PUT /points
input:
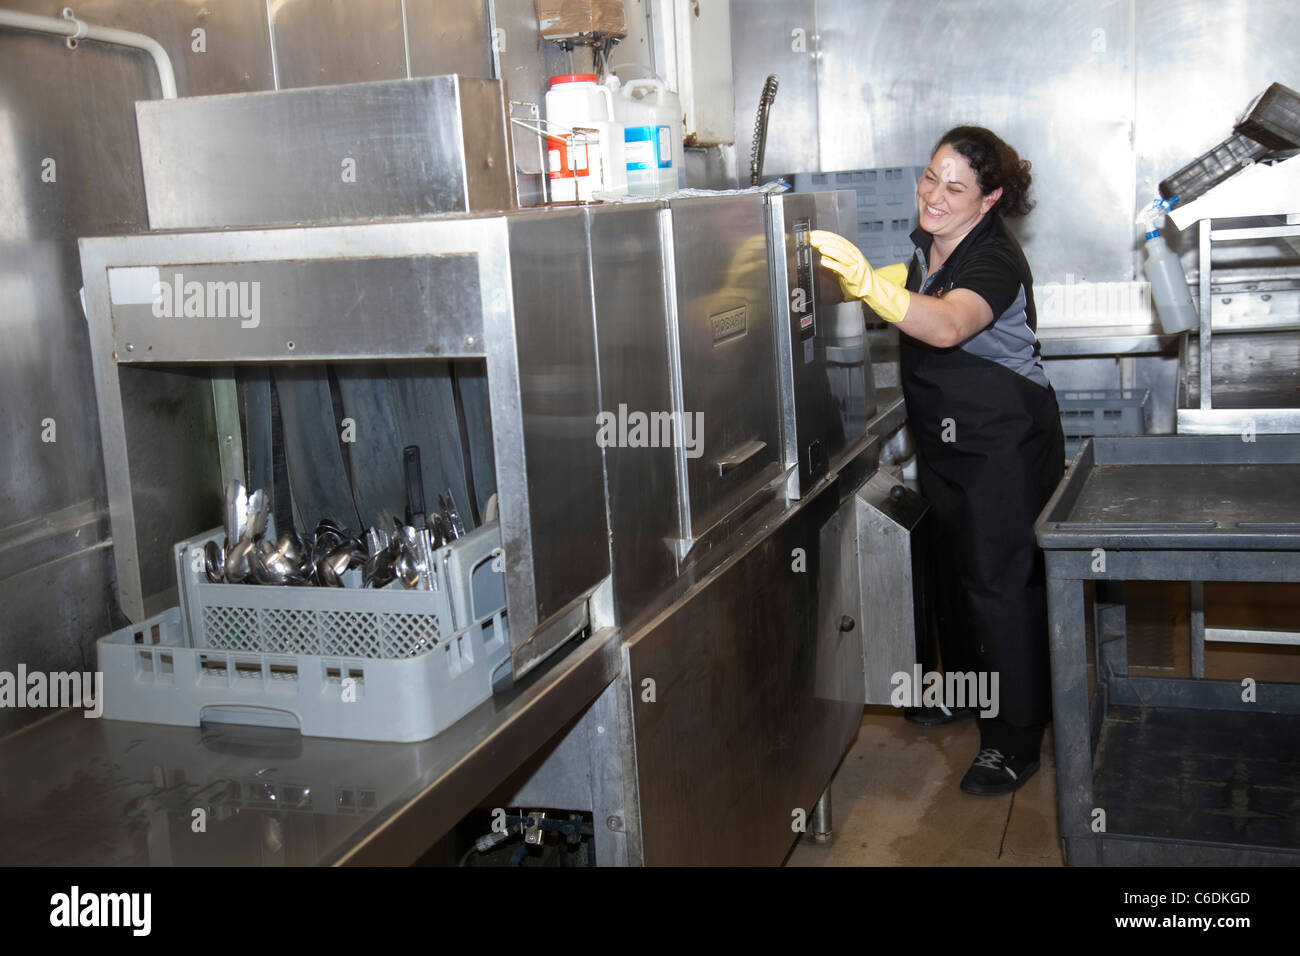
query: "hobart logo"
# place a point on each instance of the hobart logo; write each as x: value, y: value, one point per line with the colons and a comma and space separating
x: 102, y: 909
x: 208, y: 300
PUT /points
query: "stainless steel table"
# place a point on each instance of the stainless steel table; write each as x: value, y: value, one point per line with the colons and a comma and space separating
x: 85, y: 792
x: 1171, y: 771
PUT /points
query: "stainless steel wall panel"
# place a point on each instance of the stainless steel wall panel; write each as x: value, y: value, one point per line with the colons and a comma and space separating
x: 52, y: 445
x: 71, y: 164
x: 1105, y: 98
x: 1053, y: 79
x: 632, y: 338
x: 233, y: 53
x: 322, y: 42
x: 526, y: 62
x: 776, y: 36
x: 172, y: 444
x: 449, y: 36
x: 328, y: 154
x: 53, y: 614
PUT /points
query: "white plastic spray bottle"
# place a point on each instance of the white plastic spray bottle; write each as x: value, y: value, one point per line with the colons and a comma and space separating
x: 1169, y: 291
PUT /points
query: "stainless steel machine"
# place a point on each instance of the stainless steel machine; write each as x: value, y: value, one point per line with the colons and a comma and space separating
x: 746, y: 649
x: 680, y: 491
x: 395, y: 292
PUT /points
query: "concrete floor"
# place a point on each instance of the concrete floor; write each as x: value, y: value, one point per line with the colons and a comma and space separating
x: 895, y: 802
x: 895, y: 798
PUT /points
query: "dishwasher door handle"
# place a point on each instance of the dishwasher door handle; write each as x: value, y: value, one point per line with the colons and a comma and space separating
x: 738, y: 456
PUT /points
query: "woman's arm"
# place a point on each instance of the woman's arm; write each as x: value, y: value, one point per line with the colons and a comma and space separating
x: 948, y: 321
x: 941, y: 322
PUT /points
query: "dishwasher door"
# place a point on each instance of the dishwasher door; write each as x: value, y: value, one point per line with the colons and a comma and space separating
x: 724, y: 349
x: 806, y: 301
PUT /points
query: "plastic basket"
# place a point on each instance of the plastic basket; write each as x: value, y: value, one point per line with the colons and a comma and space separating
x: 1105, y: 412
x: 888, y: 182
x: 1273, y: 119
x: 885, y: 241
x: 1212, y: 167
x: 886, y: 200
x: 385, y: 665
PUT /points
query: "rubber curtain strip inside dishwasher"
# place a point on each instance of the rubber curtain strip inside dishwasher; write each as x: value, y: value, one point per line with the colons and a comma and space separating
x: 467, y: 455
x: 426, y: 416
x: 317, y: 475
x: 281, y: 493
x: 376, y: 453
x: 471, y: 380
x: 259, y: 455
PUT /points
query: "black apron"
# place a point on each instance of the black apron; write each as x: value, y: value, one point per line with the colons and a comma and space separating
x: 990, y: 452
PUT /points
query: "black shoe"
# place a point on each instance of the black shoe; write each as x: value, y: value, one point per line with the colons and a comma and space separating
x: 936, y: 716
x: 993, y: 773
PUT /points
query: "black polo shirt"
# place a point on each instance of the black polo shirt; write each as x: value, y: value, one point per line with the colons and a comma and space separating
x: 990, y: 263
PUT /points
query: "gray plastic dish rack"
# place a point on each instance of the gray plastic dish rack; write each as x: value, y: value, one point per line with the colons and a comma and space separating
x: 1103, y: 412
x: 386, y: 665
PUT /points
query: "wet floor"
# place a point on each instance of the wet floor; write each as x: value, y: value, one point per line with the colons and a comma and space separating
x: 895, y: 798
x: 896, y: 802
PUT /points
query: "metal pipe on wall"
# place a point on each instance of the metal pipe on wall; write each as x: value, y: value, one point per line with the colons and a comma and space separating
x: 75, y: 29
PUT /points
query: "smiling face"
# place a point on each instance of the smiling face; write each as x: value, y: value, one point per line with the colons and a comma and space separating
x: 948, y: 199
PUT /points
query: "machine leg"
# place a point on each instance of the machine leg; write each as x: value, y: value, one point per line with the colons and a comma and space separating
x: 1198, y: 629
x: 821, y: 816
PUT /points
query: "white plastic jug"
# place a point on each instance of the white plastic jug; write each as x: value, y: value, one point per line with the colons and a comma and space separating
x: 651, y: 115
x: 585, y: 153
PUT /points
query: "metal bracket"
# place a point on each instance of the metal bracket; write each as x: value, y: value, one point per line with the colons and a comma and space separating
x: 83, y: 29
x: 533, y: 833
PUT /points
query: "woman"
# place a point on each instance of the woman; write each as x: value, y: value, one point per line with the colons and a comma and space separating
x: 989, y: 445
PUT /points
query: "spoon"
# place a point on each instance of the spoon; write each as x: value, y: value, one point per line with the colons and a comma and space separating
x: 378, y: 571
x: 407, y: 569
x: 237, y: 561
x: 330, y: 569
x: 214, y: 562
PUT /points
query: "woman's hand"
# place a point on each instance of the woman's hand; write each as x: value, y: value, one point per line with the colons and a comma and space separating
x: 881, y: 289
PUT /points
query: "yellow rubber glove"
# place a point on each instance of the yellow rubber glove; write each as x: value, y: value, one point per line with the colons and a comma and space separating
x: 880, y: 288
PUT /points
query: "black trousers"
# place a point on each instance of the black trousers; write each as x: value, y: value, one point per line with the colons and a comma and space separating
x: 987, y: 585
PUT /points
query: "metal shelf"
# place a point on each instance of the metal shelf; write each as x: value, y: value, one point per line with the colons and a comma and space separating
x: 1206, y: 419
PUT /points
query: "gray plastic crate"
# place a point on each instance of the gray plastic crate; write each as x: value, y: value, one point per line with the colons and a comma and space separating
x: 885, y: 183
x: 884, y: 241
x: 886, y: 206
x: 1102, y: 412
x: 386, y: 665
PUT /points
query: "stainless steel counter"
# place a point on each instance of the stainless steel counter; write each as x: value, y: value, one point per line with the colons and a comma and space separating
x: 82, y: 792
x: 1064, y: 343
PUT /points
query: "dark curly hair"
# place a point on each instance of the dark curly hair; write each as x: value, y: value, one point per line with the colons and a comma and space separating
x: 995, y: 164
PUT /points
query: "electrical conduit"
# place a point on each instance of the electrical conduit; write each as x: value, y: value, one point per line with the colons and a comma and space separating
x: 75, y: 29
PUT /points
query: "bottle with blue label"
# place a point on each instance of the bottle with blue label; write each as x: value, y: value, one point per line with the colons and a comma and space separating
x: 652, y: 119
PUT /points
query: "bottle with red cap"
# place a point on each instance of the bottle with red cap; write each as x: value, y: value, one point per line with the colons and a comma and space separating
x: 585, y: 150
